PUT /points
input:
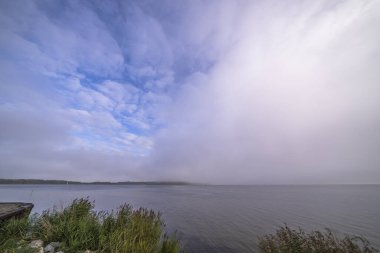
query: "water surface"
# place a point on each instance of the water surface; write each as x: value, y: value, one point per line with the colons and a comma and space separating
x: 227, y: 218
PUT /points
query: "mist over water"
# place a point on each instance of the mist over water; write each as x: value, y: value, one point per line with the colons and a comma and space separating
x: 227, y: 218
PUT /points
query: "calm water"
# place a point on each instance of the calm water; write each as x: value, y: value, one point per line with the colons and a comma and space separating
x: 227, y: 218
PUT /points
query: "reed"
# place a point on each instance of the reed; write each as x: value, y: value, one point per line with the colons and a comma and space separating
x: 287, y: 240
x: 79, y: 227
x: 126, y: 230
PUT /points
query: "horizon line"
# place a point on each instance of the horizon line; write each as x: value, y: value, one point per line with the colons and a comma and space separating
x: 173, y: 182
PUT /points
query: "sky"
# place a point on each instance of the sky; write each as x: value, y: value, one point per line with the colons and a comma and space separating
x: 208, y: 91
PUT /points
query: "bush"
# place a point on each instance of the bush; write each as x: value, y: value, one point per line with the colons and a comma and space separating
x: 78, y: 227
x: 11, y: 233
x: 287, y: 240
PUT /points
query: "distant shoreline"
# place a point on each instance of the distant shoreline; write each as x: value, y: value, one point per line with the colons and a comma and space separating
x: 65, y: 182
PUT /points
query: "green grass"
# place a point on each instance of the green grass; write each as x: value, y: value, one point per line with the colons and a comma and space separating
x: 79, y: 227
x: 13, y: 234
x: 287, y: 240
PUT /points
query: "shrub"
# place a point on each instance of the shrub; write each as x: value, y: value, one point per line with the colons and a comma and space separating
x: 11, y: 232
x: 79, y: 227
x: 288, y: 240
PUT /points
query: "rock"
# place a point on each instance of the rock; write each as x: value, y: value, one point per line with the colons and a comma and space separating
x: 55, y: 244
x: 36, y: 244
x: 89, y: 251
x: 59, y: 252
x: 49, y: 249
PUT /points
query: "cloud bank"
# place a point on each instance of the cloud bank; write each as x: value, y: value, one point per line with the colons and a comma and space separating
x: 236, y: 92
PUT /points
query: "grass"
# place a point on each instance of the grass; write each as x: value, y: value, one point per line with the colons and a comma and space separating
x: 78, y: 227
x: 13, y: 234
x: 287, y: 240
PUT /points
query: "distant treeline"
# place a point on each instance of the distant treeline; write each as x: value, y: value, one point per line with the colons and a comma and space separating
x: 42, y: 181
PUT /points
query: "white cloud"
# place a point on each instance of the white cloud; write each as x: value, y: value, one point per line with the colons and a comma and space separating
x: 120, y: 92
x: 285, y: 104
x: 216, y: 91
x: 59, y: 48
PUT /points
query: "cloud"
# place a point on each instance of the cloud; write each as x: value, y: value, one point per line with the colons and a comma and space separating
x: 295, y: 100
x: 60, y: 110
x: 209, y: 91
x: 55, y: 143
x: 36, y: 34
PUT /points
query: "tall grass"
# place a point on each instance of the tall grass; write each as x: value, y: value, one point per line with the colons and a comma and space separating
x: 11, y: 232
x: 79, y: 227
x: 298, y: 241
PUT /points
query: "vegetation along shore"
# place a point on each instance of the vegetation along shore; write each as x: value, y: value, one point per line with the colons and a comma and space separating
x: 79, y: 228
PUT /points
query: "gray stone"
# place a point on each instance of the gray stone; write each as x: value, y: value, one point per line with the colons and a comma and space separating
x: 49, y: 249
x: 59, y: 252
x: 36, y: 244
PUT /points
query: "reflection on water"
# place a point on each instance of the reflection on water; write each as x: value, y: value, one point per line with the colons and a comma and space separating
x: 227, y: 218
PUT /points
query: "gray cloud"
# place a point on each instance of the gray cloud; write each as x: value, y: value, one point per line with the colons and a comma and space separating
x: 218, y: 91
x: 296, y: 100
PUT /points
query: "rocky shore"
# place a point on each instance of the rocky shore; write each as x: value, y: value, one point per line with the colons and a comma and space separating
x: 38, y: 246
